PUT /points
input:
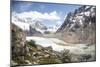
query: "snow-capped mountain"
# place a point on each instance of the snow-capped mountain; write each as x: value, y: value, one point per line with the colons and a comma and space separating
x: 81, y: 17
x: 80, y: 24
x: 32, y: 27
x: 53, y: 28
x: 36, y: 28
x: 38, y: 25
x: 28, y: 25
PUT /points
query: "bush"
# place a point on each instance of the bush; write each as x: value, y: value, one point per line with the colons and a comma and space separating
x: 32, y: 43
x: 66, y: 56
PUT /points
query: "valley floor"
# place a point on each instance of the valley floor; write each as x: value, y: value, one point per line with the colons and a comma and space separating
x: 59, y: 45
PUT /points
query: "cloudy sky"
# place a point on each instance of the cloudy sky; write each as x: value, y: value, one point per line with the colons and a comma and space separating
x: 49, y: 14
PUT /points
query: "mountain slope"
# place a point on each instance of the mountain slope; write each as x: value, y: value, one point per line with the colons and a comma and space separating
x: 79, y: 26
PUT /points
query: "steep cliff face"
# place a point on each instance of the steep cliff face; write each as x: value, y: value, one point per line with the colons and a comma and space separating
x: 79, y: 26
x: 18, y: 47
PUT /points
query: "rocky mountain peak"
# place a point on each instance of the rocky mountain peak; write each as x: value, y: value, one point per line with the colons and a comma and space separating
x: 82, y: 20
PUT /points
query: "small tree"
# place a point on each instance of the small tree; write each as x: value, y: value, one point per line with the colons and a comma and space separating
x: 32, y: 43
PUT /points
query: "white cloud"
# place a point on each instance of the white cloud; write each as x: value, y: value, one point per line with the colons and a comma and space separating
x: 23, y: 26
x: 21, y: 19
x: 34, y: 15
x: 59, y: 22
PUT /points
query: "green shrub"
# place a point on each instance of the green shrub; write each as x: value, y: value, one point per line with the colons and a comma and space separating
x: 32, y: 43
x: 66, y: 56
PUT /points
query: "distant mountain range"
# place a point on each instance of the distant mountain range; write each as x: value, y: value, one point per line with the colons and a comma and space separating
x: 32, y: 27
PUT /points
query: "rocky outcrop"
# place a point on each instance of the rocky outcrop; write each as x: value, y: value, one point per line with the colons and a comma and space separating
x: 79, y: 26
x: 32, y: 31
x: 18, y: 46
x: 41, y: 55
x: 36, y: 28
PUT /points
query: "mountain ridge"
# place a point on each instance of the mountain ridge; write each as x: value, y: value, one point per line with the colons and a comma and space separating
x: 79, y: 25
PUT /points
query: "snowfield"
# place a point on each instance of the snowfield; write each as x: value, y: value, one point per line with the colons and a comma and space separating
x: 56, y: 44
